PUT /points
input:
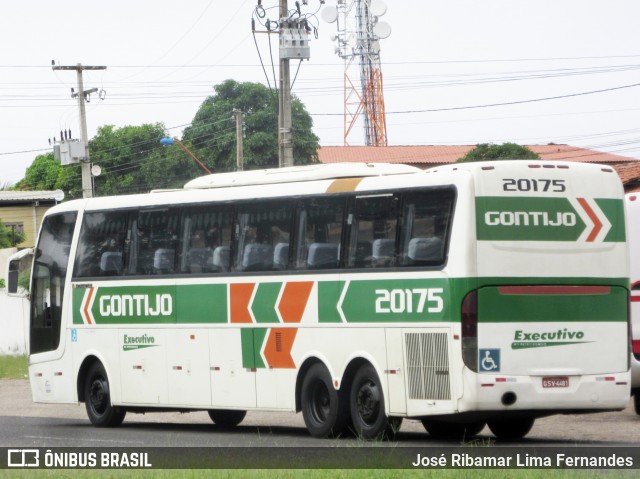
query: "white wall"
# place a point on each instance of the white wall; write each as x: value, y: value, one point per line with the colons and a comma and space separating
x: 14, y: 323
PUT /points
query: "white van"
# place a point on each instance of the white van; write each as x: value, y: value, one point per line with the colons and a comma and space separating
x: 632, y: 207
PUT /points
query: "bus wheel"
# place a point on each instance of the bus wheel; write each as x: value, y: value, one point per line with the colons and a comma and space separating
x: 452, y: 430
x: 636, y: 402
x: 324, y: 410
x: 367, y: 406
x: 226, y: 417
x: 511, y: 428
x: 97, y: 399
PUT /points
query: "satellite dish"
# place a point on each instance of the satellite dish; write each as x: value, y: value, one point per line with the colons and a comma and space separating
x: 329, y: 14
x: 96, y: 170
x: 382, y: 30
x: 58, y: 195
x: 377, y: 8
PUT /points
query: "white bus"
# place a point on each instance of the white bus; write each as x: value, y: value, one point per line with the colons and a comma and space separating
x: 632, y: 207
x: 358, y: 294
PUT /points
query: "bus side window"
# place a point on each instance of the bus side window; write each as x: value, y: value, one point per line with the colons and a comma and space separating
x: 319, y: 231
x: 425, y: 229
x: 262, y: 237
x: 102, y: 245
x: 372, y: 235
x: 205, y: 240
x: 157, y: 239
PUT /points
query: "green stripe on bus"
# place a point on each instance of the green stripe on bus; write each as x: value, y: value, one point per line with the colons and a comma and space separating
x: 545, y: 219
x: 264, y: 302
x: 496, y: 307
x: 201, y: 303
x: 614, y: 211
x: 328, y: 297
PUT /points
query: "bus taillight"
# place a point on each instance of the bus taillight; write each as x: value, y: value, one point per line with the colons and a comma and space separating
x: 469, y: 319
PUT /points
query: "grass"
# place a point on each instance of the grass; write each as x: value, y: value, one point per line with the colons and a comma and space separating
x: 13, y: 367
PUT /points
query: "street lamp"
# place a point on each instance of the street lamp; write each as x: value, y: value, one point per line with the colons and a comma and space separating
x: 174, y: 141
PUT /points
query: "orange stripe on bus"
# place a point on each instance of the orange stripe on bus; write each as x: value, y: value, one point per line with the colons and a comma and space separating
x: 294, y: 300
x: 240, y: 299
x: 277, y: 351
x: 86, y: 306
x: 597, y: 225
x: 344, y: 185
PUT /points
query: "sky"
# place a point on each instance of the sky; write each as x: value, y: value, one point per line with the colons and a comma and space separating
x: 456, y: 72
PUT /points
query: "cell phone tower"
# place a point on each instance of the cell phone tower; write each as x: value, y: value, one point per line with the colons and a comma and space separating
x: 359, y: 31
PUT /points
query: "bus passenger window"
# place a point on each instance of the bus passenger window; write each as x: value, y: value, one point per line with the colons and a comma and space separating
x: 205, y: 240
x: 262, y: 237
x: 156, y: 240
x: 427, y: 217
x: 319, y: 231
x: 372, y: 235
x: 102, y: 244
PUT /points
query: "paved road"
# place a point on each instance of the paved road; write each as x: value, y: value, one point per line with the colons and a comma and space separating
x: 23, y: 423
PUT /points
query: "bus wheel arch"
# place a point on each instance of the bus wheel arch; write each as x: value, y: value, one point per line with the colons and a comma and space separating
x: 82, y: 375
x: 97, y: 396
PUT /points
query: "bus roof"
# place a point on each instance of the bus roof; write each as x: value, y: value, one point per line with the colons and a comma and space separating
x: 298, y: 173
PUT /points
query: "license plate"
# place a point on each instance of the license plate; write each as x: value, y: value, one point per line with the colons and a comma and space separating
x: 555, y: 382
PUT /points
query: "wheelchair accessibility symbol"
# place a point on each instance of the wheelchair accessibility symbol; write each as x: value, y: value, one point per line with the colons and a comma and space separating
x: 490, y: 360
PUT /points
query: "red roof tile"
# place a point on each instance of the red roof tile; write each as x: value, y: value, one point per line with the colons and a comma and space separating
x: 430, y: 155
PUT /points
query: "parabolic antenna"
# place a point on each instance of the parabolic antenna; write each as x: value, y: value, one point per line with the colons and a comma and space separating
x: 377, y: 8
x: 329, y: 14
x: 382, y: 30
x: 96, y: 170
x: 58, y: 195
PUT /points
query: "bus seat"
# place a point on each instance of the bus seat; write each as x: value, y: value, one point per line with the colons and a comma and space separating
x: 111, y: 263
x: 425, y: 250
x: 323, y: 255
x: 163, y: 260
x: 281, y: 256
x: 199, y: 259
x: 221, y: 257
x: 362, y: 257
x: 257, y: 257
x: 383, y: 251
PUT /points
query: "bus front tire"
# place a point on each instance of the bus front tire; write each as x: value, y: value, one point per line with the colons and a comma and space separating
x: 511, y: 428
x: 367, y: 407
x: 97, y: 398
x: 325, y: 410
x: 226, y: 417
x: 452, y: 430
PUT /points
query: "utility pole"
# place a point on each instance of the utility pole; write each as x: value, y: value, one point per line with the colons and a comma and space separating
x: 293, y: 28
x: 285, y: 145
x: 82, y: 94
x: 238, y: 116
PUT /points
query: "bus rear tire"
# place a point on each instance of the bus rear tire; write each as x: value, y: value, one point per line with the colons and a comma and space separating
x: 367, y: 407
x: 636, y: 402
x: 97, y: 399
x: 511, y: 428
x: 325, y: 410
x: 452, y: 430
x: 226, y: 417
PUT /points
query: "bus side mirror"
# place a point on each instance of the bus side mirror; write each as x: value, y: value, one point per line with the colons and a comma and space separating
x: 19, y: 273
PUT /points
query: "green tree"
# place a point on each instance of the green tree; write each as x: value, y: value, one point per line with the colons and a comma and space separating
x: 9, y: 237
x: 506, y: 151
x: 133, y: 160
x: 46, y: 174
x: 212, y: 132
